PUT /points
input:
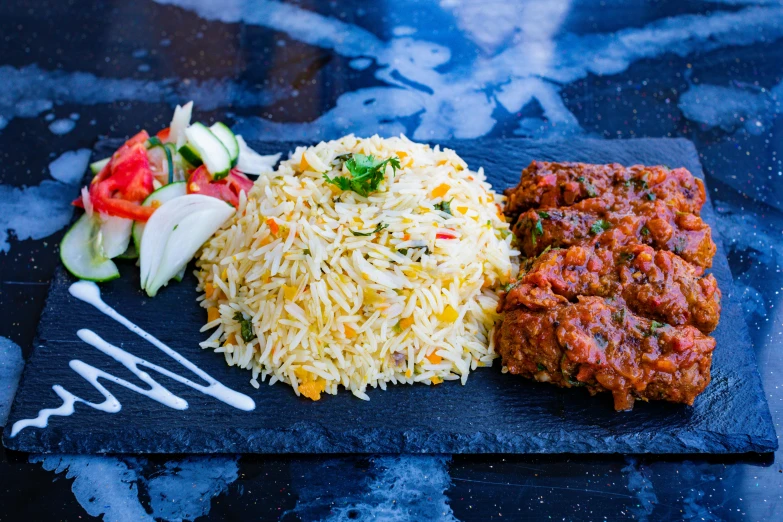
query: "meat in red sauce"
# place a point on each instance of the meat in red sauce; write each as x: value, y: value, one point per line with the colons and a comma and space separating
x: 612, y: 295
x: 601, y: 345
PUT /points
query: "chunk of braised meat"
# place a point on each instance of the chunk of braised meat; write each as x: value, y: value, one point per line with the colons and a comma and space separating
x: 653, y: 223
x: 549, y: 184
x: 653, y: 283
x: 599, y: 344
x: 607, y: 187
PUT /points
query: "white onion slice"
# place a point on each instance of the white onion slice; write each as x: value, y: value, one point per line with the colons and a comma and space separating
x: 251, y: 162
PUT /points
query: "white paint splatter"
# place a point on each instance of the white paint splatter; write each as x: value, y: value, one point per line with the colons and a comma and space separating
x: 692, y: 508
x: 746, y: 233
x: 398, y: 488
x: 459, y: 99
x: 509, y: 23
x: 403, y: 30
x: 744, y: 2
x: 70, y: 166
x: 30, y: 91
x: 183, y: 489
x: 730, y: 108
x: 360, y: 64
x: 63, y: 126
x: 442, y: 99
x: 753, y: 301
x: 110, y: 486
x: 39, y: 211
x: 642, y: 488
x: 30, y: 108
x: 11, y: 365
x: 34, y: 212
x: 750, y: 238
x: 364, y: 112
x: 102, y: 485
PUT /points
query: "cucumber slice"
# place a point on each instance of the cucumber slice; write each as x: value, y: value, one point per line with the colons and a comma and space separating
x: 115, y: 235
x: 81, y: 253
x: 96, y: 167
x: 211, y: 150
x: 130, y: 253
x: 179, y: 163
x: 162, y: 195
x: 190, y: 155
x: 228, y: 140
x: 154, y: 142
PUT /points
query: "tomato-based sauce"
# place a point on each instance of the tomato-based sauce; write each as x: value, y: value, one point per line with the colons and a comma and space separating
x: 612, y: 295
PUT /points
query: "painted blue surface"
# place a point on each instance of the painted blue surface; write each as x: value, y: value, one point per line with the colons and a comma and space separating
x: 706, y: 70
x: 111, y: 487
x: 11, y: 365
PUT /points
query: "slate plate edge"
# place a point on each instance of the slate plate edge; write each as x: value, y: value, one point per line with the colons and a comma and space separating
x: 400, y: 441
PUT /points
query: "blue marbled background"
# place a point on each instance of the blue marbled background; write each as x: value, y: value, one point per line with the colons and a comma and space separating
x: 707, y: 70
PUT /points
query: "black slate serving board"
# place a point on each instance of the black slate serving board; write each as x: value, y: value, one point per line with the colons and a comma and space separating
x: 493, y: 413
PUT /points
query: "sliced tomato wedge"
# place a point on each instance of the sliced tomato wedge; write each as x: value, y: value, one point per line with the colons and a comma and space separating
x: 227, y: 189
x: 445, y: 235
x: 163, y: 134
x: 125, y: 182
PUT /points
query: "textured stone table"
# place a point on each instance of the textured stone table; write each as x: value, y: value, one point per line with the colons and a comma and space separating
x: 709, y: 71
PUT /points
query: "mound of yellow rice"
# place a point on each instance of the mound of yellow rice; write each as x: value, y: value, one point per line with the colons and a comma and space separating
x: 412, y: 301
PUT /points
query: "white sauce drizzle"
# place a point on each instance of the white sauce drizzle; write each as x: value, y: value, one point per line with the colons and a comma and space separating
x: 91, y: 294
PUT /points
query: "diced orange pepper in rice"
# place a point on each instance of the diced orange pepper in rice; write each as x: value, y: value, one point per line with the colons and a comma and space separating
x: 212, y: 314
x: 231, y: 339
x: 434, y: 358
x: 303, y: 165
x: 449, y: 314
x: 302, y: 374
x: 209, y: 290
x: 350, y: 333
x: 436, y: 380
x: 272, y: 224
x: 408, y: 373
x: 312, y: 390
x: 406, y: 323
x: 440, y: 190
x: 462, y: 210
x: 155, y: 203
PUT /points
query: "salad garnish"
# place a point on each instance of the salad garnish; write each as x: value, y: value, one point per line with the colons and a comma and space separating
x: 146, y: 174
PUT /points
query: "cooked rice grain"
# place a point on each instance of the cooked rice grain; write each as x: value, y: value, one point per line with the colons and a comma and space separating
x: 330, y: 308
